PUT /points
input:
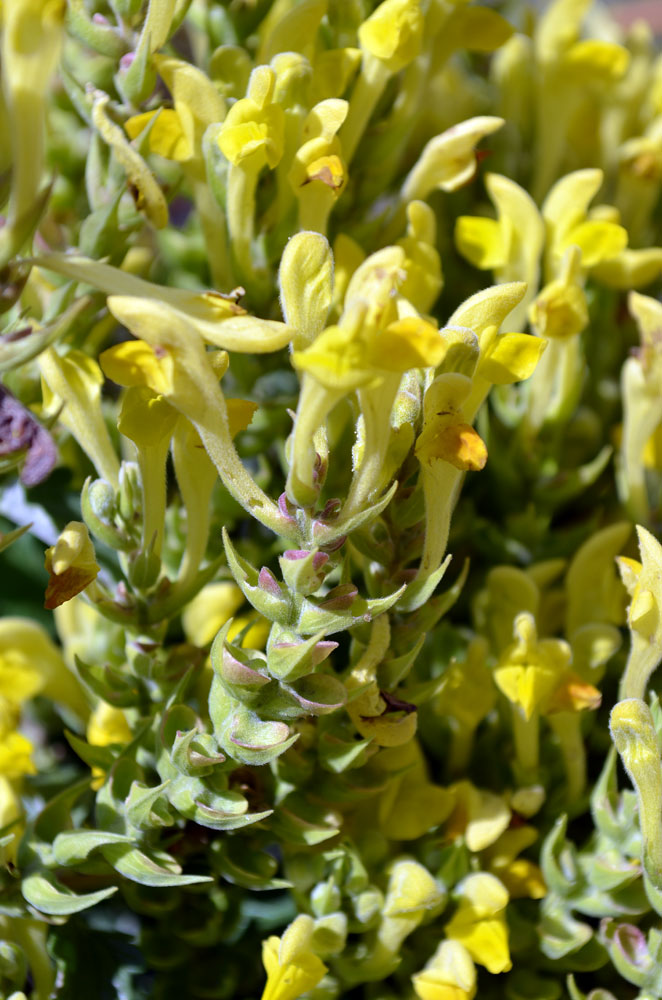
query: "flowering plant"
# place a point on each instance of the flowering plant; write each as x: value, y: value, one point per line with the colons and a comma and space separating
x: 332, y: 580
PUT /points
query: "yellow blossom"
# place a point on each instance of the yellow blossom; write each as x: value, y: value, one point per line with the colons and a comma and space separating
x: 209, y: 610
x: 449, y: 975
x: 166, y: 135
x: 565, y: 211
x: 15, y: 755
x: 30, y: 664
x: 521, y: 877
x: 107, y: 725
x: 511, y: 245
x: 478, y: 815
x: 411, y: 804
x: 292, y: 967
x: 449, y: 160
x: 560, y: 311
x: 479, y: 922
x: 71, y: 565
x: 318, y: 174
x: 393, y: 33
x: 529, y: 671
x: 252, y: 133
x: 71, y: 384
x: 643, y: 581
x: 446, y: 436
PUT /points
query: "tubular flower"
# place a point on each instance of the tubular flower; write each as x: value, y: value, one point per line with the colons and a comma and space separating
x: 511, y: 245
x: 521, y: 877
x: 252, y: 132
x: 479, y: 922
x: 643, y: 581
x: 32, y: 33
x: 176, y: 133
x: 529, y: 671
x: 449, y: 975
x: 30, y: 664
x: 318, y: 175
x: 71, y: 565
x: 291, y: 965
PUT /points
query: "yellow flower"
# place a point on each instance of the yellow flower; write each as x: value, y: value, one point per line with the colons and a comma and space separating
x: 424, y: 279
x: 393, y: 33
x: 511, y: 245
x: 31, y: 664
x: 449, y: 160
x: 634, y: 735
x: 318, y: 175
x: 565, y: 211
x: 209, y: 610
x: 145, y: 418
x: 176, y: 133
x: 71, y: 565
x: 479, y: 922
x: 292, y: 967
x: 32, y: 33
x: 449, y: 975
x: 643, y: 581
x: 166, y: 135
x: 107, y: 725
x: 522, y: 878
x: 560, y: 310
x: 411, y: 805
x: 478, y: 815
x: 446, y: 435
x: 75, y: 380
x: 15, y: 755
x: 529, y: 671
x: 253, y: 132
x: 216, y: 318
x: 378, y: 333
x: 307, y: 283
x: 594, y: 592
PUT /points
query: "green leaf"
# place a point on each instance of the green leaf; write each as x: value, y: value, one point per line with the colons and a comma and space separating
x: 137, y: 866
x: 46, y: 894
x: 11, y: 536
x: 74, y: 846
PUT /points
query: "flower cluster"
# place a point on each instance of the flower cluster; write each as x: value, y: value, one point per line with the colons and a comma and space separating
x: 332, y: 571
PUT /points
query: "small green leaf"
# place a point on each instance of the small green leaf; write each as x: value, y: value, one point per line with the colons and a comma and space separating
x: 137, y: 866
x: 74, y: 846
x: 46, y: 894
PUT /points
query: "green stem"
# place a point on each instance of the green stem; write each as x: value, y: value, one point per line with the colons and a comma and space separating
x: 368, y: 89
x: 242, y: 183
x: 461, y: 748
x: 642, y: 661
x: 541, y: 385
x: 215, y: 435
x: 196, y: 479
x: 527, y: 742
x: 213, y: 224
x: 152, y: 462
x: 568, y: 729
x: 314, y: 211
